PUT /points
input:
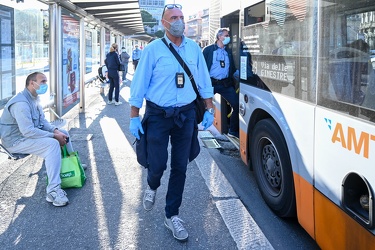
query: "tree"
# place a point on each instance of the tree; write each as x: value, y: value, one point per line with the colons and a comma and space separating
x: 159, y: 33
x: 148, y: 19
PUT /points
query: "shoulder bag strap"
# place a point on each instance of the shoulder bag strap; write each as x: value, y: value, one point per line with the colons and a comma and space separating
x: 181, y: 61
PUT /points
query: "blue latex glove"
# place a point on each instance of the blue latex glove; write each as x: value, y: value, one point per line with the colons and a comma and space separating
x: 135, y: 126
x: 208, y: 119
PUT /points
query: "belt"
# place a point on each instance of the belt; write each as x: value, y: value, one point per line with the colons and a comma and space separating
x: 217, y: 81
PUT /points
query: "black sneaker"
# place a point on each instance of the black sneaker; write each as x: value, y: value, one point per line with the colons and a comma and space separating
x: 175, y: 225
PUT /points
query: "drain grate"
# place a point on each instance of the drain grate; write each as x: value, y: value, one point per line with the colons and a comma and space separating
x: 208, y: 139
x: 205, y: 134
x: 211, y: 143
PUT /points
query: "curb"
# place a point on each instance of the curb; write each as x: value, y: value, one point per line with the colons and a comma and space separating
x: 241, y: 225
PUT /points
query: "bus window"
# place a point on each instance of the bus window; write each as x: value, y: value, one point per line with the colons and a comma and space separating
x: 281, y: 46
x: 347, y: 76
x: 255, y: 14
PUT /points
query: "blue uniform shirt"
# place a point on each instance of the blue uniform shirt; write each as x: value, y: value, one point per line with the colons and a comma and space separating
x: 136, y: 55
x: 216, y: 70
x: 155, y: 76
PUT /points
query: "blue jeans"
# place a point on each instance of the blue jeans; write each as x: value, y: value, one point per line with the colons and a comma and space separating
x: 125, y: 72
x: 159, y: 130
x: 230, y: 95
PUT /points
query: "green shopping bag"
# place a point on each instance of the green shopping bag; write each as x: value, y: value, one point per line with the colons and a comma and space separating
x: 72, y: 174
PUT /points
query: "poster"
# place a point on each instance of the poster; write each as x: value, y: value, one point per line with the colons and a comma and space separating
x: 6, y: 58
x: 6, y: 86
x: 70, y: 57
x: 88, y: 51
x: 6, y: 31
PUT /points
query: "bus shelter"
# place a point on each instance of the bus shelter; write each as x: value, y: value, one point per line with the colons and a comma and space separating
x: 65, y: 40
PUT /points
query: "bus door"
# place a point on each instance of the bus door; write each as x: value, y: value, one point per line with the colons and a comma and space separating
x: 222, y: 108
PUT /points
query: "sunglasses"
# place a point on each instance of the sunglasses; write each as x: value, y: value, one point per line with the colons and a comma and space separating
x: 171, y: 6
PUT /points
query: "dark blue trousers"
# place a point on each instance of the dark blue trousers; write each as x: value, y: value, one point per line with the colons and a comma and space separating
x: 178, y: 128
x: 114, y: 84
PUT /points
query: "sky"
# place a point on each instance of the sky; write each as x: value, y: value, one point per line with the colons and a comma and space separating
x: 191, y: 6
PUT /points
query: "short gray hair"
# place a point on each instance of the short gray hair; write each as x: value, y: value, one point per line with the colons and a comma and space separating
x: 220, y: 31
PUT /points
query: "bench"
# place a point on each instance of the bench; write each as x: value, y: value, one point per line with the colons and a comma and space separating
x: 14, y: 156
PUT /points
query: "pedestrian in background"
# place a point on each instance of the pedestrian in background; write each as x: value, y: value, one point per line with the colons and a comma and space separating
x: 112, y: 62
x: 25, y: 130
x: 124, y: 56
x: 220, y: 64
x: 170, y: 112
x: 136, y: 55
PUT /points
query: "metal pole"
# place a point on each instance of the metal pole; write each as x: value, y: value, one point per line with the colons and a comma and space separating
x: 102, y: 53
x: 102, y: 45
x: 82, y: 57
x: 54, y: 57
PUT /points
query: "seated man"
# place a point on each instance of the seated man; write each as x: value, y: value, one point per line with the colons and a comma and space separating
x: 25, y: 130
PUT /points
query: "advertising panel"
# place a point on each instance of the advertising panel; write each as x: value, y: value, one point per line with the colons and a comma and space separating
x: 70, y: 58
x: 7, y: 68
x: 89, y: 58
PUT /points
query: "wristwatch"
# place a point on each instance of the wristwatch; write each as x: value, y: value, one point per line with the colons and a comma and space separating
x: 211, y: 111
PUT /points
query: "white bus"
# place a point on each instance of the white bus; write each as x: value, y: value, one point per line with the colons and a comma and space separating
x: 307, y: 118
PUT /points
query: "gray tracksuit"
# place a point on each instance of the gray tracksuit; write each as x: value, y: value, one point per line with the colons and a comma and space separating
x: 24, y: 129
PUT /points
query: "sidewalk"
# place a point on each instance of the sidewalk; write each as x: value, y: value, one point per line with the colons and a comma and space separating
x: 107, y: 213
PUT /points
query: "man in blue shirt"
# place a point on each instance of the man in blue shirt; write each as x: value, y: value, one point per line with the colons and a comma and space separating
x: 170, y: 112
x: 220, y: 64
x: 136, y: 55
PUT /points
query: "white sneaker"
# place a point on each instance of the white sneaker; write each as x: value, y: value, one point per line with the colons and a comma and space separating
x: 149, y: 199
x: 58, y: 197
x: 175, y: 225
x: 118, y: 103
x: 111, y: 102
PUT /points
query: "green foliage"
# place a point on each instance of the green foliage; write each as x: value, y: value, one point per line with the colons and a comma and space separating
x: 159, y: 33
x: 147, y: 19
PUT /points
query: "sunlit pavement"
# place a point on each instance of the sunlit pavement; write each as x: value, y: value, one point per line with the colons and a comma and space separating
x: 107, y: 213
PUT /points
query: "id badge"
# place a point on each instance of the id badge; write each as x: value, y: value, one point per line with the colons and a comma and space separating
x: 180, y: 80
x: 222, y: 63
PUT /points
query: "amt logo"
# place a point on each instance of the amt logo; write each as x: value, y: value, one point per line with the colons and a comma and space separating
x: 348, y: 138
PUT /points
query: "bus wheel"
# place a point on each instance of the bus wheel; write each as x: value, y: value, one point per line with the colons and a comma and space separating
x: 272, y: 167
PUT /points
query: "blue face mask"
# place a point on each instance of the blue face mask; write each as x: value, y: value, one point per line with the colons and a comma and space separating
x: 226, y: 40
x: 42, y: 89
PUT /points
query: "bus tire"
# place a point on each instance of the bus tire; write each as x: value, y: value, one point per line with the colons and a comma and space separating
x: 272, y: 167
